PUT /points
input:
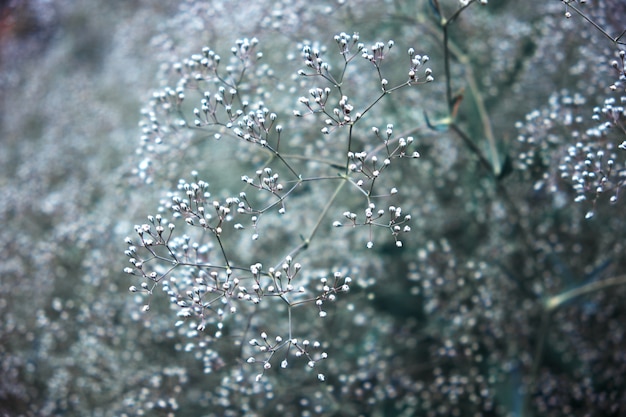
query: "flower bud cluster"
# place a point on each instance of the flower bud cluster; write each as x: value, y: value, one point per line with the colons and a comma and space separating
x: 168, y: 125
x: 300, y: 349
x: 347, y: 42
x: 397, y: 224
x: 222, y: 100
x: 329, y: 290
x: 313, y: 59
x: 377, y: 52
x: 367, y: 165
x: 257, y: 126
x: 591, y: 165
x: 198, y: 67
x: 196, y: 209
x: 417, y: 61
x: 593, y: 172
x: 400, y: 150
x: 613, y: 114
x: 320, y: 98
x: 245, y: 50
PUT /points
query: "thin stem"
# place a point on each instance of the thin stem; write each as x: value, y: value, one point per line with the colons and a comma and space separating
x: 445, y: 23
x: 328, y: 162
x: 325, y: 210
x: 374, y: 102
x: 458, y: 12
x: 289, y: 312
x: 446, y: 60
x: 452, y: 50
x: 472, y: 146
x: 496, y: 164
x: 347, y: 167
x: 594, y: 24
x: 556, y: 301
x: 305, y: 244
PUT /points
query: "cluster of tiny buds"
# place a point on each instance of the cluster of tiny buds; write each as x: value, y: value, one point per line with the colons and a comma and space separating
x: 330, y: 289
x: 198, y: 66
x: 591, y: 172
x: 150, y: 237
x: 269, y: 347
x: 397, y: 222
x: 417, y: 61
x: 245, y: 47
x: 346, y: 42
x: 613, y: 113
x: 345, y: 110
x: 168, y: 98
x: 209, y: 104
x: 370, y: 172
x: 376, y: 54
x: 370, y: 166
x: 267, y: 180
x: 313, y: 59
x: 320, y: 98
x: 403, y: 143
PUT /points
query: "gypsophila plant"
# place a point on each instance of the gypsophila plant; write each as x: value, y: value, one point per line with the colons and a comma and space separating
x: 302, y: 190
x: 279, y: 271
x: 191, y: 248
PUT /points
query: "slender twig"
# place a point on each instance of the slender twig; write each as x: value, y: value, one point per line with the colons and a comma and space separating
x: 305, y: 243
x: 557, y: 301
x: 569, y: 5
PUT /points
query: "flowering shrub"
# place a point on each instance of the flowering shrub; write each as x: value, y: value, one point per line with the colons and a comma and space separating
x: 204, y: 273
x: 357, y: 208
